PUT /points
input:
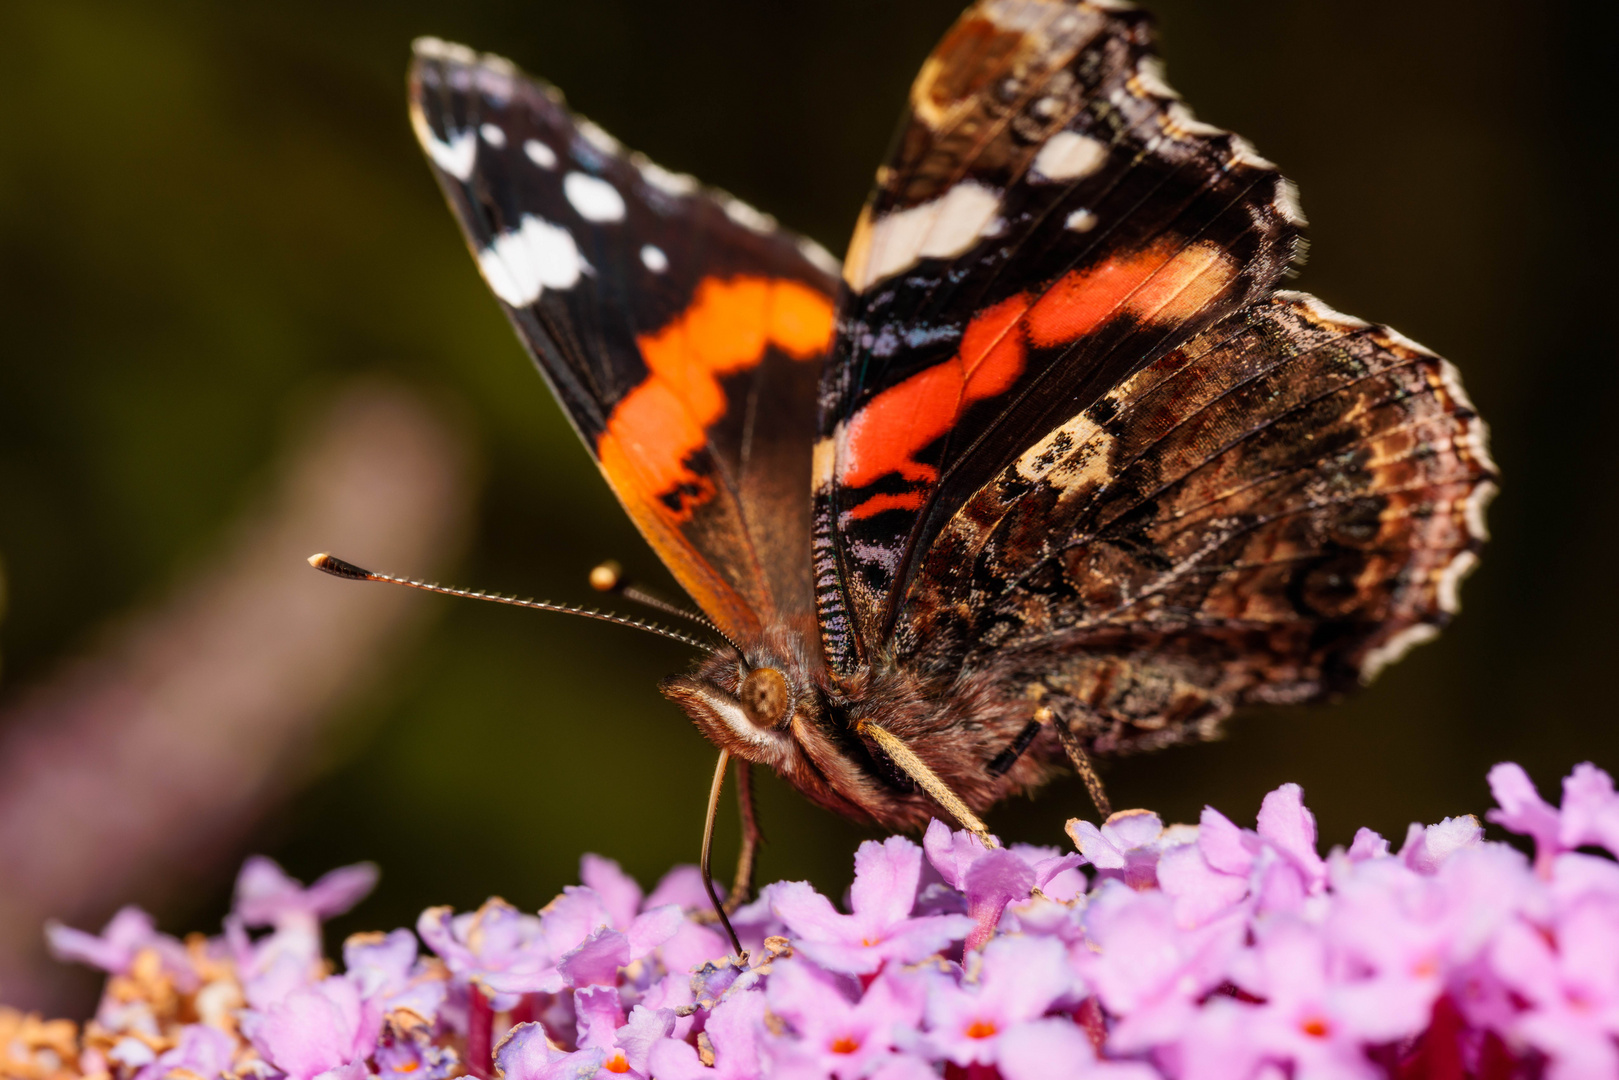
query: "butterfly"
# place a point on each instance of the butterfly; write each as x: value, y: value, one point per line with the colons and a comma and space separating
x: 1048, y: 467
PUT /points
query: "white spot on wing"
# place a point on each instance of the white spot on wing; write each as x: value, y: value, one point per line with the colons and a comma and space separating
x: 455, y: 156
x: 1187, y: 122
x: 1081, y: 221
x: 654, y: 259
x: 1394, y: 648
x: 1243, y: 153
x: 1450, y: 581
x: 1015, y: 15
x: 520, y: 265
x: 598, y: 138
x: 493, y: 135
x: 1473, y: 510
x: 1070, y: 458
x: 747, y: 217
x: 594, y: 198
x: 432, y: 48
x: 940, y: 229
x: 818, y: 256
x: 1452, y: 380
x: 673, y: 184
x: 1068, y: 155
x: 1475, y: 439
x: 1287, y: 202
x: 540, y: 154
x: 1150, y: 77
x: 824, y: 460
x: 1319, y: 310
x: 1400, y: 340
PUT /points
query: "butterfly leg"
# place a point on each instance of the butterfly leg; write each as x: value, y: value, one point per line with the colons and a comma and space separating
x: 928, y: 780
x: 1081, y: 760
x: 708, y: 844
x: 752, y: 837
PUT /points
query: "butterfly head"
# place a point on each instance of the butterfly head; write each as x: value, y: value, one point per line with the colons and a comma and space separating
x: 752, y: 701
x: 773, y: 703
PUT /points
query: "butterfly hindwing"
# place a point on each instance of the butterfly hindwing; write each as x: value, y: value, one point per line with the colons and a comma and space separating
x: 1051, y: 220
x: 682, y: 331
x: 1273, y: 511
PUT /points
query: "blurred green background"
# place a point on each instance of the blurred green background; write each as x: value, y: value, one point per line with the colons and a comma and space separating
x: 212, y: 213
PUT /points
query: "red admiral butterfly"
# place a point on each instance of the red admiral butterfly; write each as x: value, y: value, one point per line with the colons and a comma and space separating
x: 1047, y: 469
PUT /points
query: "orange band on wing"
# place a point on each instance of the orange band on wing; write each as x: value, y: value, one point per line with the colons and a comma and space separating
x: 658, y: 425
x: 1167, y: 281
x: 1163, y: 282
x: 884, y: 436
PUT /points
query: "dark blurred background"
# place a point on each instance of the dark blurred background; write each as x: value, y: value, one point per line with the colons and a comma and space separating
x: 240, y: 327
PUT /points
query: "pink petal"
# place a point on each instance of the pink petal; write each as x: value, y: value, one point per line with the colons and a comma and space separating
x: 597, y: 960
x: 113, y: 950
x: 904, y: 1067
x: 653, y: 928
x: 1200, y: 891
x: 1023, y: 976
x: 1226, y: 847
x: 1290, y: 828
x: 524, y: 1055
x: 1367, y: 845
x: 437, y: 930
x: 886, y: 876
x: 1590, y: 809
x: 1522, y: 810
x: 566, y: 921
x: 338, y: 891
x: 1426, y: 849
x: 1050, y: 1049
x: 691, y: 946
x: 1523, y: 959
x: 809, y: 915
x: 733, y: 1029
x: 683, y: 886
x: 354, y: 1070
x: 672, y: 1059
x: 951, y: 852
x: 619, y: 893
x: 262, y: 888
x: 598, y: 1015
x: 994, y: 880
x: 645, y: 1027
x: 1128, y: 829
x: 1094, y: 845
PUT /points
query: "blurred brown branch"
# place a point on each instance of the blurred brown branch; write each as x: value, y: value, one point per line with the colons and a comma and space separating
x: 139, y: 768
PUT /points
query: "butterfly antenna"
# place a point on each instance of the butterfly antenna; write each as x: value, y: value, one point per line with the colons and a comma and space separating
x: 609, y: 577
x: 338, y: 568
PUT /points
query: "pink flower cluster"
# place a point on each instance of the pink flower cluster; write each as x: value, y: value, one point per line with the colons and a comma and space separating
x: 1206, y: 952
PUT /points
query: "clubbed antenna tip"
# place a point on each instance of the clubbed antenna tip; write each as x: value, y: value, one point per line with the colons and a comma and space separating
x: 337, y: 567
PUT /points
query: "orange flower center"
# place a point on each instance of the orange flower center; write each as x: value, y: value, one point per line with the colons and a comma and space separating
x: 616, y: 1063
x: 1316, y: 1028
x: 407, y: 1067
x: 981, y: 1029
x: 845, y: 1044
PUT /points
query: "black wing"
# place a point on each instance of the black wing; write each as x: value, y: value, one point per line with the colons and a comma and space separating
x: 682, y: 331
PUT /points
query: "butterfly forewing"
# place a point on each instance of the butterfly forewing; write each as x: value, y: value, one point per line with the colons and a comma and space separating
x: 1052, y: 219
x: 682, y: 331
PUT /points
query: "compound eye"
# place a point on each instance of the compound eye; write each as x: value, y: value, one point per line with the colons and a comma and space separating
x: 764, y: 697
